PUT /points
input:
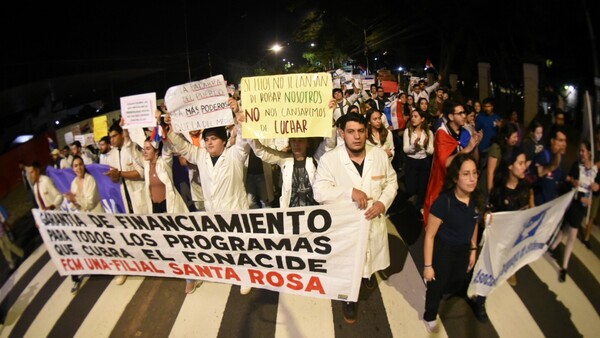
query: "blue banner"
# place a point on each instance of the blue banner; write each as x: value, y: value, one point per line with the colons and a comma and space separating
x: 110, y: 192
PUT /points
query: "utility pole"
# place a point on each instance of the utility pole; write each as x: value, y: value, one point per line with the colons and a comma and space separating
x: 366, y: 49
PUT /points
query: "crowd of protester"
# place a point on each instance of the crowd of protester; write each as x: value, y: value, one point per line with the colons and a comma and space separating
x: 455, y: 161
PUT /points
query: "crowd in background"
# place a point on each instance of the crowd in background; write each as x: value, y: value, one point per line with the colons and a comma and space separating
x: 454, y: 161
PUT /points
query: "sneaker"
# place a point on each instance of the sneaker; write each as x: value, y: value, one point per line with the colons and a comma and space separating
x: 76, y: 286
x: 370, y: 283
x: 562, y: 275
x: 244, y: 290
x: 349, y: 310
x: 478, y: 306
x: 431, y: 326
x: 120, y: 280
x: 512, y: 280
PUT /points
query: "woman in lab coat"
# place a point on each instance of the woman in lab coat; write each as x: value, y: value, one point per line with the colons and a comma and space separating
x: 84, y: 196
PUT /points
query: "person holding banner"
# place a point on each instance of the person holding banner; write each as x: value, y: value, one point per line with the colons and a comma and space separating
x: 298, y: 168
x: 161, y: 193
x: 361, y: 173
x: 450, y: 246
x: 584, y: 177
x: 221, y: 169
x: 84, y: 196
x: 124, y: 168
x: 511, y: 192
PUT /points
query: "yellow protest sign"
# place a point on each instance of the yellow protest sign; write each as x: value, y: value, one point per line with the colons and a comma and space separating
x: 100, y: 127
x: 283, y: 106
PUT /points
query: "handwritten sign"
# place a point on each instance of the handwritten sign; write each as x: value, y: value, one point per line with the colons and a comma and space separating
x: 284, y: 106
x: 199, y: 105
x: 138, y: 110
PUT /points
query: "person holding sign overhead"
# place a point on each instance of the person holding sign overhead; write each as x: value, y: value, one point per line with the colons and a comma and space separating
x: 221, y: 169
x: 361, y: 173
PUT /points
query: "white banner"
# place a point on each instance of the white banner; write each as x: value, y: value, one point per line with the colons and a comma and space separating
x: 199, y: 105
x: 513, y: 240
x: 316, y: 251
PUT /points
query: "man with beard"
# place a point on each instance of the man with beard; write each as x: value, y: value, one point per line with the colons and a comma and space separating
x: 361, y: 173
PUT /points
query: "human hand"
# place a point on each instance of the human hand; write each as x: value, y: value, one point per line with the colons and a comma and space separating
x: 428, y: 274
x: 472, y: 260
x: 234, y: 105
x: 360, y: 198
x: 375, y: 210
x: 114, y: 174
x: 332, y: 103
x: 70, y: 197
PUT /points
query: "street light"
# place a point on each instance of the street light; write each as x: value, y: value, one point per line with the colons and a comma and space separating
x: 276, y: 48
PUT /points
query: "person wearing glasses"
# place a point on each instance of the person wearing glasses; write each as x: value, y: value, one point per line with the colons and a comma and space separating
x: 450, y: 247
x: 451, y: 139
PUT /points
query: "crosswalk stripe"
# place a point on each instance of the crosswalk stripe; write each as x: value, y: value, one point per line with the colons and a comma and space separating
x: 508, y: 314
x: 21, y: 271
x: 299, y: 316
x: 569, y: 294
x: 52, y: 310
x: 83, y: 301
x: 24, y: 299
x: 587, y: 257
x: 101, y: 319
x: 153, y: 309
x: 403, y: 295
x: 394, y: 308
x: 201, y: 313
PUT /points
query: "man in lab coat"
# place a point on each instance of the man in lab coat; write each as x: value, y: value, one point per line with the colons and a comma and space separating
x: 363, y: 174
x: 221, y: 169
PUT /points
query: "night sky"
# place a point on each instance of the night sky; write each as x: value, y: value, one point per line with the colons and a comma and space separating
x: 48, y: 41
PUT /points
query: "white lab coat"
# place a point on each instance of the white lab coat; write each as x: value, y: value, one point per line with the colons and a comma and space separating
x: 285, y: 161
x: 48, y: 192
x: 88, y: 198
x: 222, y: 184
x: 335, y: 179
x: 128, y: 159
x: 164, y: 172
x: 388, y: 144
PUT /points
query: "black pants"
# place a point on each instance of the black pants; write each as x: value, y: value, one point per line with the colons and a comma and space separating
x: 450, y: 263
x: 398, y: 159
x: 416, y: 178
x: 159, y: 208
